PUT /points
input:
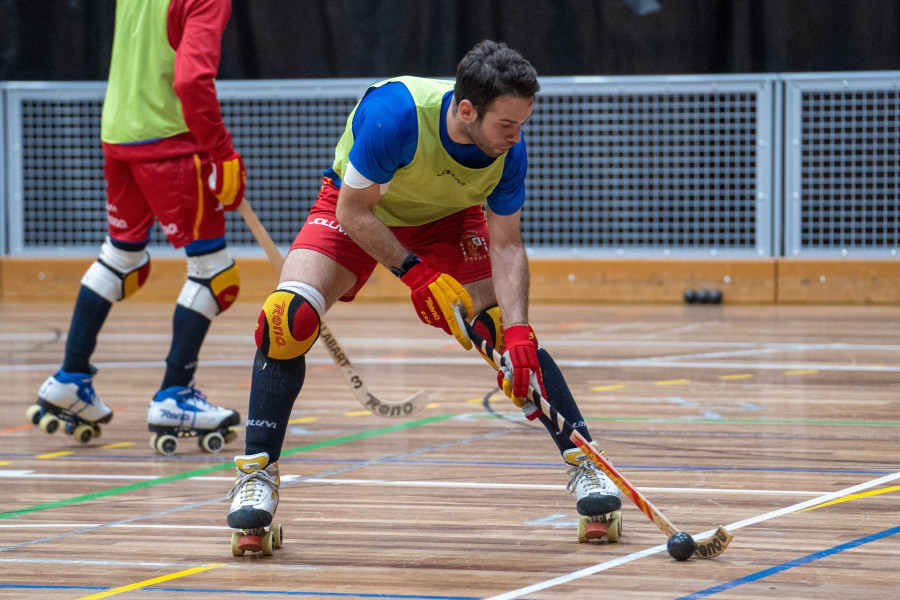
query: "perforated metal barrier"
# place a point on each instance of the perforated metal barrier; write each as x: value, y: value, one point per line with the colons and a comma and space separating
x: 677, y: 166
x: 842, y: 149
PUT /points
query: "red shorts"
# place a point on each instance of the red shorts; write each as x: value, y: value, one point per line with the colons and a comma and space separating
x: 457, y: 245
x: 168, y: 189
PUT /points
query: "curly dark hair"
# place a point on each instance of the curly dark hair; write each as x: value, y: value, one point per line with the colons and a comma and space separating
x: 490, y: 70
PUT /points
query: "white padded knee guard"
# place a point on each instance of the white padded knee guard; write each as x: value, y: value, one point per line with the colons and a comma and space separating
x: 117, y: 274
x: 212, y: 283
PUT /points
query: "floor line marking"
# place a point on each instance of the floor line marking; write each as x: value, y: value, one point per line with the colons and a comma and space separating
x: 662, y: 547
x: 149, y: 582
x: 797, y: 562
x: 214, y: 468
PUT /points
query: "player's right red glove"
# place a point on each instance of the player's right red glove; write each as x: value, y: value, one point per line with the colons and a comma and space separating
x: 227, y: 181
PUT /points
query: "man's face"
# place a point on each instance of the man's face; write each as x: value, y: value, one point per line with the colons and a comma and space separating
x: 500, y: 127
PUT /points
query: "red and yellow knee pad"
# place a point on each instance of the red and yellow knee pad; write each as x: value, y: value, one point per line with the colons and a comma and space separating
x: 288, y: 325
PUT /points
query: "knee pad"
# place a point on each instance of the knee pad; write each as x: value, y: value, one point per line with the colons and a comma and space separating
x: 288, y: 324
x: 117, y: 273
x: 212, y: 283
x: 489, y: 325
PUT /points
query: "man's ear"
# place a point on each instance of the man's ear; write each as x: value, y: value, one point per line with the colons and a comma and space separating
x: 467, y: 111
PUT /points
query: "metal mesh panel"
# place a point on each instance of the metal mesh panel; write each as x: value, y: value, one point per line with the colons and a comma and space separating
x: 647, y: 170
x: 850, y: 170
x: 630, y: 166
x: 63, y: 190
x: 286, y: 144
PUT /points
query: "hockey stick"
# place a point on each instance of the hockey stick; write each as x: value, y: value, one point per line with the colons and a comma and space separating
x: 378, y: 406
x: 710, y: 547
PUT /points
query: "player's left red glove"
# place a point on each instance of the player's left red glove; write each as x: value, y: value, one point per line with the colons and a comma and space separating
x: 521, y: 367
x: 227, y: 180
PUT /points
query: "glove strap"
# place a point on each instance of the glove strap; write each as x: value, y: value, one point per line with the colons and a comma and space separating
x: 408, y: 263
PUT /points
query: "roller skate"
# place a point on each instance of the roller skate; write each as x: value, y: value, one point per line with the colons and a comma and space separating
x: 254, y: 500
x: 182, y: 411
x: 598, y: 498
x: 68, y: 399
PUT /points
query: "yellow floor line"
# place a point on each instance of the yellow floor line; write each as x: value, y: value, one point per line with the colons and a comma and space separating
x: 854, y: 497
x: 142, y: 584
x: 53, y: 454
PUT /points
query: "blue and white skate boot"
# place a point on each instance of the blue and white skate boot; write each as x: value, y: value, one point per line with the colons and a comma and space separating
x: 69, y: 399
x: 598, y: 499
x: 254, y: 500
x: 183, y: 411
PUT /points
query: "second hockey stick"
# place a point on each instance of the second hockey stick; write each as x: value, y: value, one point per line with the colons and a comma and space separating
x: 710, y: 547
x: 378, y: 406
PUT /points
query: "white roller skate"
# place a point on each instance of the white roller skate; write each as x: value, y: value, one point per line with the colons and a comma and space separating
x: 254, y: 500
x: 69, y: 399
x: 183, y: 411
x: 598, y: 500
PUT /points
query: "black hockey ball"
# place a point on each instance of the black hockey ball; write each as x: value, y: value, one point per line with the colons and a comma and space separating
x: 680, y: 546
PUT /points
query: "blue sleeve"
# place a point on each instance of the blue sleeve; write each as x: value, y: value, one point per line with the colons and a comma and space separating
x: 509, y: 195
x: 385, y: 132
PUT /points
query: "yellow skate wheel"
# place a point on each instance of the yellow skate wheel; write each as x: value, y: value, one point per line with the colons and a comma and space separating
x: 97, y: 431
x: 153, y: 441
x: 49, y: 423
x: 614, y: 533
x: 268, y: 548
x: 84, y: 433
x: 236, y: 544
x: 581, y: 523
x: 276, y: 532
x: 33, y: 414
x: 212, y: 442
x: 167, y: 444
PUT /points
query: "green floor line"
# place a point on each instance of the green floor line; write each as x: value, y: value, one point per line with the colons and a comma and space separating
x: 211, y: 469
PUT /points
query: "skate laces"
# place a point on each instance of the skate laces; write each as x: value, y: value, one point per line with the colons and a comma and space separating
x: 252, y: 487
x: 586, y: 478
x: 83, y: 381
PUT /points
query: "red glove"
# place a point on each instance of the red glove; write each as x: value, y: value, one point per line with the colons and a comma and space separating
x: 434, y: 295
x: 227, y: 180
x: 520, y: 364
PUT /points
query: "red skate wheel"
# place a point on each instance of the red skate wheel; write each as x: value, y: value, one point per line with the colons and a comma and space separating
x: 250, y: 543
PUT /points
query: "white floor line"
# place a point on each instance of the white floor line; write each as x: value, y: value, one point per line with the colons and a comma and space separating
x: 405, y: 483
x: 662, y: 547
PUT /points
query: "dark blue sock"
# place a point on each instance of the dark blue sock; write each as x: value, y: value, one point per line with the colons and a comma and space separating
x: 88, y: 317
x: 188, y: 332
x: 274, y: 387
x: 559, y: 396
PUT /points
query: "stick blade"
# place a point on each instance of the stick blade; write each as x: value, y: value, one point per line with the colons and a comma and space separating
x: 396, y: 409
x: 714, y: 545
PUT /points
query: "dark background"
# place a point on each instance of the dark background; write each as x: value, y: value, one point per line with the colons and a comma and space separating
x: 71, y: 39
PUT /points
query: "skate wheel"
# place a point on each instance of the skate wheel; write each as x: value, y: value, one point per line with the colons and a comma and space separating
x: 166, y: 444
x: 231, y: 435
x: 594, y: 529
x: 277, y: 534
x: 236, y: 549
x: 97, y: 431
x: 268, y: 547
x: 34, y: 414
x: 49, y: 423
x: 84, y: 433
x: 250, y: 543
x: 212, y: 442
x: 614, y: 533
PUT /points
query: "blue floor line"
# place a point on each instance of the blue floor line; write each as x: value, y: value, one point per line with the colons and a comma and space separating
x: 791, y: 564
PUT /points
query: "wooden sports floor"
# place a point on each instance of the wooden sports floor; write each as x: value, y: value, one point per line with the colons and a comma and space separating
x: 781, y: 423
